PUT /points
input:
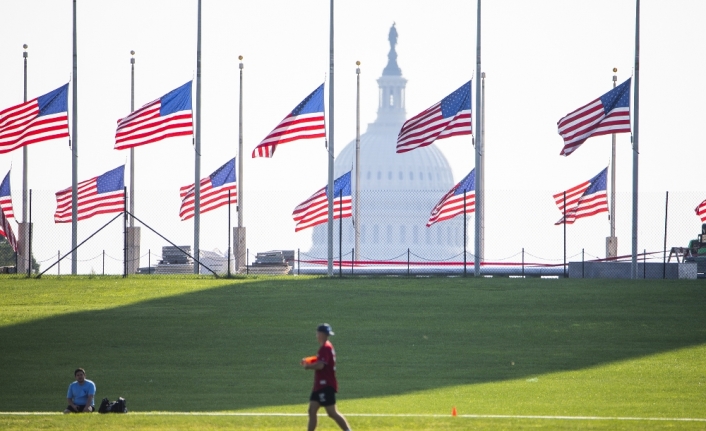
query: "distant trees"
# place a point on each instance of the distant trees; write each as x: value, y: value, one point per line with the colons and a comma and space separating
x: 7, y: 255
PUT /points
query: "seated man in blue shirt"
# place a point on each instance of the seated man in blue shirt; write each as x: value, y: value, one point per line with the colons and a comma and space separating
x: 81, y: 394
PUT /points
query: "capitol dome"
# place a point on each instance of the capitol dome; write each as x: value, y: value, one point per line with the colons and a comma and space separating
x: 397, y: 191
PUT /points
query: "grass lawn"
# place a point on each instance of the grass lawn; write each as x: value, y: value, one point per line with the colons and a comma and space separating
x: 505, y: 347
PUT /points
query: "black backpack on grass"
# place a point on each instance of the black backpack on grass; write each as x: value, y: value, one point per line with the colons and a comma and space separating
x: 108, y: 406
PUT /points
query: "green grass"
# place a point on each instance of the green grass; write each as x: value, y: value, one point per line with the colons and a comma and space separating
x: 605, y: 348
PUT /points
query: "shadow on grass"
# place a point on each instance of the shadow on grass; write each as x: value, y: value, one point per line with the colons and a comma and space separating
x: 238, y: 346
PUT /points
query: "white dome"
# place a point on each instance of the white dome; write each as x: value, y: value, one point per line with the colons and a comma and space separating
x: 397, y: 191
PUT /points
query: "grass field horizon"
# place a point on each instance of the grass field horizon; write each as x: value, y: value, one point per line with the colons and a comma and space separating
x: 506, y: 347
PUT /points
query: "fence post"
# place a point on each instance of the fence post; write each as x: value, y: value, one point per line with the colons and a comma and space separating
x: 103, y: 262
x: 247, y: 256
x: 58, y: 262
x: 664, y: 251
x: 644, y: 263
x: 583, y: 260
x: 299, y: 262
x: 149, y: 262
x: 352, y: 259
x: 407, y: 260
x: 523, y: 262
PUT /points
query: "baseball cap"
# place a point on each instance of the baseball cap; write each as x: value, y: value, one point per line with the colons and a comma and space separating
x: 325, y: 328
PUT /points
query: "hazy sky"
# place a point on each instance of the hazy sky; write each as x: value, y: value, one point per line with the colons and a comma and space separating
x: 542, y: 58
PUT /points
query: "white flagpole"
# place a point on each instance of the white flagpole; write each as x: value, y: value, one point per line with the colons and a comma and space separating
x: 197, y: 147
x: 240, y: 148
x: 132, y: 149
x: 330, y: 150
x: 240, y: 238
x: 356, y: 221
x: 74, y: 157
x: 635, y: 142
x: 24, y: 259
x: 479, y: 156
x: 612, y: 242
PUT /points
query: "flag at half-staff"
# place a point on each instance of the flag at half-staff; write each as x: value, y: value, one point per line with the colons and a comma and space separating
x: 6, y: 197
x: 100, y: 195
x: 41, y: 119
x: 452, y: 204
x: 166, y: 117
x: 214, y: 191
x: 6, y: 230
x: 306, y: 121
x: 584, y: 200
x: 701, y: 211
x: 450, y: 117
x: 314, y: 210
x: 606, y: 115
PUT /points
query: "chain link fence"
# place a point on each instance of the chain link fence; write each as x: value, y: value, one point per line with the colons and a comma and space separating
x: 520, y: 238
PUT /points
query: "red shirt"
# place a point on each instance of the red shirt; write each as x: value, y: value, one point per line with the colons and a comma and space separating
x: 327, y: 375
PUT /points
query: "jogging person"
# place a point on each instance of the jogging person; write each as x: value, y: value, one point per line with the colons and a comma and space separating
x: 325, y: 384
x: 81, y: 394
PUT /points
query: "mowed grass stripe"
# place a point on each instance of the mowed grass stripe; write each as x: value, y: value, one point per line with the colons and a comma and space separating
x: 383, y: 415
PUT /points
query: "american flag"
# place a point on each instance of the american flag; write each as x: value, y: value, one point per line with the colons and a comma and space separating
x: 451, y: 204
x: 41, y: 119
x: 606, y: 115
x: 306, y: 121
x: 166, y: 117
x: 701, y: 211
x: 100, y: 195
x: 6, y: 197
x: 6, y: 230
x: 584, y: 200
x: 450, y: 117
x: 214, y: 191
x: 314, y: 210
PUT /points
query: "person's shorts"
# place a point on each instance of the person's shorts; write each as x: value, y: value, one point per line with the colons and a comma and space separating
x: 325, y: 396
x: 78, y: 409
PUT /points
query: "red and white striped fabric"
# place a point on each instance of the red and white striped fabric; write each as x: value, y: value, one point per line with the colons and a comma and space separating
x: 100, y: 195
x: 6, y: 197
x: 606, y: 115
x: 584, y: 200
x: 6, y: 231
x: 306, y: 121
x: 214, y: 191
x: 451, y: 204
x: 41, y: 119
x: 166, y: 117
x: 314, y: 210
x: 450, y: 117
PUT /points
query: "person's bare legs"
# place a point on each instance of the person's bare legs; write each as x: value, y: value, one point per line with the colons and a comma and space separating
x: 313, y: 410
x: 336, y: 416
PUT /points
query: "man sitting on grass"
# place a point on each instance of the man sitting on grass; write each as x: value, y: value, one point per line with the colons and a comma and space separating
x: 81, y: 394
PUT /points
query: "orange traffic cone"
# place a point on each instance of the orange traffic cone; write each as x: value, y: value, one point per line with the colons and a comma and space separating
x: 453, y: 411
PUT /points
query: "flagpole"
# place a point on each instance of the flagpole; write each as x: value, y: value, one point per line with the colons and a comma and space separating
x: 24, y: 149
x: 356, y: 221
x: 132, y: 149
x: 330, y: 149
x: 240, y: 238
x: 74, y: 157
x: 197, y: 145
x: 240, y: 147
x: 635, y: 142
x: 24, y: 237
x: 612, y: 243
x: 479, y: 155
x: 481, y: 249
